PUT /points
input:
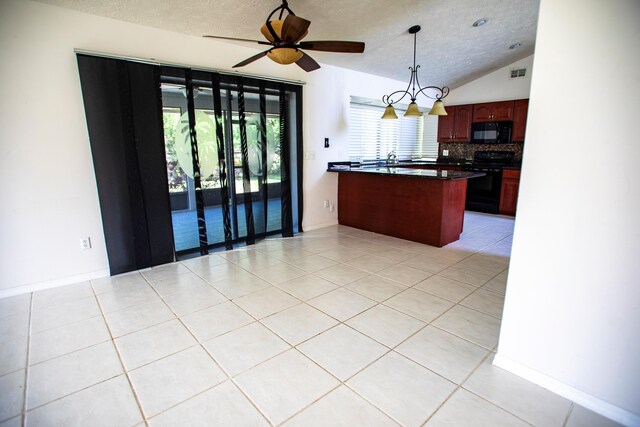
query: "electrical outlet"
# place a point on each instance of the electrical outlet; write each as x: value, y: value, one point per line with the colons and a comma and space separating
x: 332, y: 207
x: 85, y: 243
x: 326, y: 203
x: 310, y: 155
x: 445, y: 153
x: 326, y: 143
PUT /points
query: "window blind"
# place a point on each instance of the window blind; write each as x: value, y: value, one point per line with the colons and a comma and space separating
x: 371, y: 138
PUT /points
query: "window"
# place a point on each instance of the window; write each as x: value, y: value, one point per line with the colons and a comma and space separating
x: 371, y: 138
x: 176, y: 176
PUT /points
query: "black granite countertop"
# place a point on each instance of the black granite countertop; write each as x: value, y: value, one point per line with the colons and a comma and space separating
x: 405, y: 172
x: 400, y: 163
x: 440, y: 162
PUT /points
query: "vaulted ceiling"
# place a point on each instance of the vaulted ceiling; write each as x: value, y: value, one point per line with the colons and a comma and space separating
x: 450, y: 51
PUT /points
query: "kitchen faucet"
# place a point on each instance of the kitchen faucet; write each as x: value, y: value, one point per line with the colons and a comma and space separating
x: 392, y: 159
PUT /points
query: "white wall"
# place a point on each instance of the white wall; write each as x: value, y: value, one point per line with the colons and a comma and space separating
x: 572, y: 310
x: 495, y: 86
x: 47, y: 185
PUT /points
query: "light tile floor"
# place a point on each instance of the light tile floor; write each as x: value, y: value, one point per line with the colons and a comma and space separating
x: 334, y: 327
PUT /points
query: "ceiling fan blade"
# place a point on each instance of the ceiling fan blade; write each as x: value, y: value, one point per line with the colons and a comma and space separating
x: 294, y: 28
x: 250, y: 60
x: 307, y: 63
x: 333, y: 46
x: 235, y: 39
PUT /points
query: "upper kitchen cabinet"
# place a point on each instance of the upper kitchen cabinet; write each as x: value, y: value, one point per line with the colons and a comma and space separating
x: 456, y: 125
x: 520, y: 110
x: 493, y: 111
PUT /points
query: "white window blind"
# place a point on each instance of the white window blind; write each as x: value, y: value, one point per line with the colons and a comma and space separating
x: 430, y: 138
x: 371, y: 138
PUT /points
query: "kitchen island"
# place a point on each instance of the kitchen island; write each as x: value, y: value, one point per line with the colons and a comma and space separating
x: 422, y: 205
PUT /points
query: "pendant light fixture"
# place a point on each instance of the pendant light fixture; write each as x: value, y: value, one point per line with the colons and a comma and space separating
x: 432, y: 92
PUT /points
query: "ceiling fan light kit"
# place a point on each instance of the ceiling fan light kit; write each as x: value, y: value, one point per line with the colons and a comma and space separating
x: 437, y: 93
x: 284, y: 36
x: 285, y: 55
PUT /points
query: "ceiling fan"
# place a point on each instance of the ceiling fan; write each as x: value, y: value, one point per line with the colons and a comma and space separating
x: 285, y: 38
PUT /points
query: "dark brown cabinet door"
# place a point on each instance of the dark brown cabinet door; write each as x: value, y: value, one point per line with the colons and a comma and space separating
x: 520, y: 110
x: 509, y: 192
x: 493, y: 111
x: 456, y: 125
x: 445, y: 125
x: 462, y: 127
x: 503, y: 111
x: 482, y: 112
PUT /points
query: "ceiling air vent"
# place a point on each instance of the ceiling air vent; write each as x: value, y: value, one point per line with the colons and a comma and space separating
x: 517, y: 73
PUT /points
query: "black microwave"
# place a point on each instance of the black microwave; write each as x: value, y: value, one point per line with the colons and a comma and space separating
x: 491, y: 132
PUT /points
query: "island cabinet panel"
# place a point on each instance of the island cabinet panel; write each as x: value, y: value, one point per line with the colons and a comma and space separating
x: 456, y: 125
x: 493, y: 111
x: 520, y: 110
x: 429, y: 211
x: 509, y: 191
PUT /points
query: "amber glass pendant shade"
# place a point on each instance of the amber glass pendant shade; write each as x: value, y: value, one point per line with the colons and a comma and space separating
x: 412, y: 110
x: 389, y: 113
x: 285, y: 55
x: 277, y: 28
x: 438, y: 109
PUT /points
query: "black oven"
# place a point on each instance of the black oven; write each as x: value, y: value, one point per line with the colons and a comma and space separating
x: 483, y: 193
x: 491, y: 132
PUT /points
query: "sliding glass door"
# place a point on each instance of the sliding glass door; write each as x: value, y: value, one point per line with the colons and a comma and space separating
x: 230, y: 147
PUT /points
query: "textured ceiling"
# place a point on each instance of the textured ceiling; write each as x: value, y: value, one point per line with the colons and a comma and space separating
x: 450, y: 50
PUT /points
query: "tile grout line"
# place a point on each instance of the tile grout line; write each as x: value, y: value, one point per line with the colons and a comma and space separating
x: 458, y: 387
x: 201, y: 345
x: 292, y: 347
x: 387, y: 352
x: 304, y: 302
x: 569, y: 413
x: 344, y: 382
x: 115, y: 347
x: 26, y: 368
x: 484, y: 398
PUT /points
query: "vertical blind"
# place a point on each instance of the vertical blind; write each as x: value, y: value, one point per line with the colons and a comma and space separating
x: 371, y: 138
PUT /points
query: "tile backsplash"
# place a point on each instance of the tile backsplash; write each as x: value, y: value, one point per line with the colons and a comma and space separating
x: 466, y: 150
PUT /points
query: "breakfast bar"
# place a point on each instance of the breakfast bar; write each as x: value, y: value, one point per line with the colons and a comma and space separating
x: 421, y: 205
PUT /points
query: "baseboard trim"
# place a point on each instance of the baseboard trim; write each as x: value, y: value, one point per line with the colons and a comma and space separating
x: 317, y: 226
x: 590, y: 402
x: 39, y: 286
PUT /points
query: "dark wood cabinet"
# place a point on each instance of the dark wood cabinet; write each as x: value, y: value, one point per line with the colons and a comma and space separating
x: 445, y: 126
x: 456, y: 125
x: 520, y: 110
x: 509, y: 191
x: 429, y: 211
x: 493, y: 111
x: 462, y: 126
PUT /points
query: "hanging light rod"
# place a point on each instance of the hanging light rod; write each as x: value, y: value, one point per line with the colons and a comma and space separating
x: 437, y: 93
